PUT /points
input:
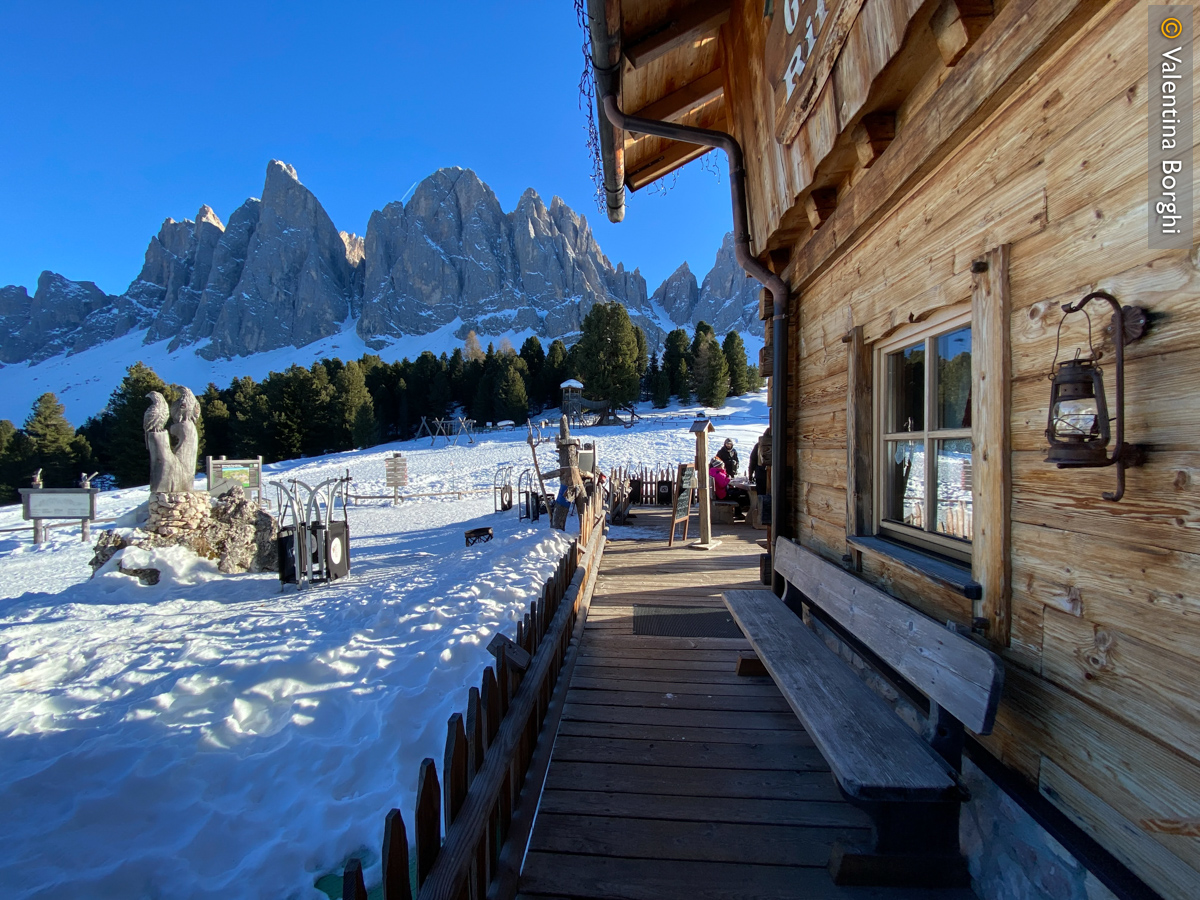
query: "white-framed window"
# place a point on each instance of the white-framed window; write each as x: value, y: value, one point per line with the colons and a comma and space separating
x: 923, y: 435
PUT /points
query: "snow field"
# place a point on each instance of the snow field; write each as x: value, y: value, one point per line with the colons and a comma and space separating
x: 210, y: 736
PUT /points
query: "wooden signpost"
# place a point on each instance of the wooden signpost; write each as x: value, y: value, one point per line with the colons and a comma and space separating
x: 396, y: 469
x: 702, y: 428
x: 685, y: 483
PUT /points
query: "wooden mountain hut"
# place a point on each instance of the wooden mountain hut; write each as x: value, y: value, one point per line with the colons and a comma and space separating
x: 922, y: 187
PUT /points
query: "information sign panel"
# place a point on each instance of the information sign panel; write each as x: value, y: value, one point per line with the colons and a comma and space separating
x: 224, y: 474
x: 58, y: 503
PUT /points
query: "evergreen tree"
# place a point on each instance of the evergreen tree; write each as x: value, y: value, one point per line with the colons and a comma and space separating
x: 754, y: 381
x: 735, y: 359
x: 685, y: 384
x: 56, y: 450
x: 18, y: 462
x: 287, y: 395
x: 660, y: 388
x: 117, y: 435
x: 676, y: 359
x: 7, y: 430
x: 250, y: 420
x: 555, y: 372
x: 712, y: 374
x: 511, y: 400
x: 535, y: 363
x: 607, y: 355
x: 456, y: 370
x: 703, y: 331
x: 214, y: 412
x: 430, y: 386
x: 642, y: 362
x: 356, y: 408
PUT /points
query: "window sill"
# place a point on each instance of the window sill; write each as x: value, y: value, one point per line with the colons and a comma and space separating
x: 951, y: 575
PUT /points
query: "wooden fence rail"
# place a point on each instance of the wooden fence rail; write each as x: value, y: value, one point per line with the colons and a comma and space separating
x: 487, y: 757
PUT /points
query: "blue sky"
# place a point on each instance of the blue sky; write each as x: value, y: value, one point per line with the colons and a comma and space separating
x: 115, y: 116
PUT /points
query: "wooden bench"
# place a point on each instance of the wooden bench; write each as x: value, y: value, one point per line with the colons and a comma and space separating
x: 907, y: 782
x: 722, y: 510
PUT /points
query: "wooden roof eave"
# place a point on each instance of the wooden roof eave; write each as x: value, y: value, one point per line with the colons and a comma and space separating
x: 664, y: 52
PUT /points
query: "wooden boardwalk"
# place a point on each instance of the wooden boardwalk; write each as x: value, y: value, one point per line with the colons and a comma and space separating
x: 671, y: 776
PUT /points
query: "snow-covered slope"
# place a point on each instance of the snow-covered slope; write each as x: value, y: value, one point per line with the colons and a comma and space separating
x: 210, y: 736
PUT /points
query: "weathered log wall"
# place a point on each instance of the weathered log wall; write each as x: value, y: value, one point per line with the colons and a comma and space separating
x: 1102, y: 708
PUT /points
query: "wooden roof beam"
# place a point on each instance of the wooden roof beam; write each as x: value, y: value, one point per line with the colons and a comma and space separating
x: 699, y: 19
x: 678, y: 104
x: 674, y: 155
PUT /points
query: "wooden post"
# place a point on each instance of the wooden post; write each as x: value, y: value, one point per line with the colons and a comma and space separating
x: 429, y: 819
x: 353, y: 887
x: 396, y: 885
x: 859, y: 452
x: 991, y: 467
x: 489, y: 698
x: 39, y: 532
x: 85, y: 531
x: 474, y: 728
x: 706, y: 541
x: 454, y: 767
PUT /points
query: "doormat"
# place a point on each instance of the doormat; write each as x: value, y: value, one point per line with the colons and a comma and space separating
x: 684, y: 621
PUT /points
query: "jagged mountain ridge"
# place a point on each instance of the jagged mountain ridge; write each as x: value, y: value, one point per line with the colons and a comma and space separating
x: 280, y: 274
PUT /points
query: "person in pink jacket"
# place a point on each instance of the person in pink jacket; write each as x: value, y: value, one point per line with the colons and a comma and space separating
x: 724, y: 490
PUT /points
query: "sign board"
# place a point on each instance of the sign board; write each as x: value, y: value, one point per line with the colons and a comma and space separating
x: 685, y: 483
x: 224, y: 474
x: 58, y: 503
x: 396, y: 469
x: 588, y: 459
x: 803, y: 42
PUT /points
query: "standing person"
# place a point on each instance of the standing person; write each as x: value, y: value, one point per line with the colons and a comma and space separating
x: 729, y: 458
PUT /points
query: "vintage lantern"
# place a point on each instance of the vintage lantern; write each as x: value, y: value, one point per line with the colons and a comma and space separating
x: 1077, y: 424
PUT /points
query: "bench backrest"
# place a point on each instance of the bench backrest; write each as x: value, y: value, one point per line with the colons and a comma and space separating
x: 963, y: 678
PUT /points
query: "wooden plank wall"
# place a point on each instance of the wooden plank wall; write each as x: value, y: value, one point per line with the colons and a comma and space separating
x: 1104, y: 656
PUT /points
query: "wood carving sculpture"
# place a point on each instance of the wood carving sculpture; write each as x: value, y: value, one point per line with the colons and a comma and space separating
x: 571, y: 487
x: 172, y: 469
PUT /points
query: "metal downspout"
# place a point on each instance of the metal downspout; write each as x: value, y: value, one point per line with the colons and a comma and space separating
x: 606, y: 65
x: 741, y: 241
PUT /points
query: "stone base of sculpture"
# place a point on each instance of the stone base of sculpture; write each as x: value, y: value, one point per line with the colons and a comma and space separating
x: 172, y: 513
x: 233, y: 531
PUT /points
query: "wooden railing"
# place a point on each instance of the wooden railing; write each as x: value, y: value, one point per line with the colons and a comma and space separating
x: 489, y: 752
x: 648, y: 477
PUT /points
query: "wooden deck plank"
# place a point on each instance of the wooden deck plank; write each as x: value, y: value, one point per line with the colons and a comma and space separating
x: 622, y: 878
x: 671, y: 776
x: 775, y: 845
x: 690, y: 754
x: 748, y: 721
x: 711, y: 687
x: 822, y: 806
x: 579, y: 696
x: 624, y: 778
x: 629, y: 731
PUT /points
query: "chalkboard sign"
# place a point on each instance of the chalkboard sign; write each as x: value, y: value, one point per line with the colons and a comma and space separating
x: 685, y: 483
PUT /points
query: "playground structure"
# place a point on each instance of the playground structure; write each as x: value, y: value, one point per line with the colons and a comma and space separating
x: 584, y: 413
x: 313, y: 546
x: 451, y: 429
